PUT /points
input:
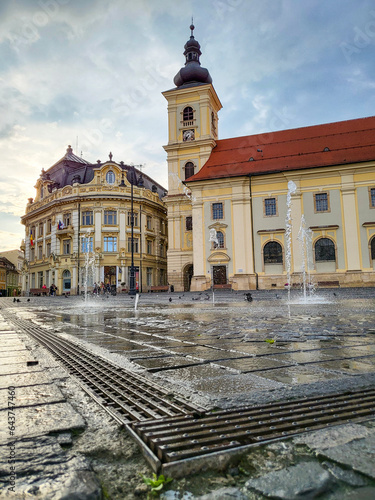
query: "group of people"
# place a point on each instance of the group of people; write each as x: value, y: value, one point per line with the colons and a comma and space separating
x: 102, y: 288
x: 52, y: 289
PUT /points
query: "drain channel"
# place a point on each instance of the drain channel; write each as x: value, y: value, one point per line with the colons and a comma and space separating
x: 128, y: 397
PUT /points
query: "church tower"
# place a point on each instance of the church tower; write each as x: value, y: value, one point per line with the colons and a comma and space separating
x: 193, y: 107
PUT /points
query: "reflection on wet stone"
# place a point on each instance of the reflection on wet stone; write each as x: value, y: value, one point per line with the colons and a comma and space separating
x: 221, y: 347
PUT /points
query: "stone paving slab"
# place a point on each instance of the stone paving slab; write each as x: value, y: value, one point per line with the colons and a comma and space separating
x: 44, y: 419
x: 349, y: 366
x: 305, y: 480
x: 296, y: 375
x: 15, y: 358
x: 221, y: 383
x: 24, y: 379
x: 359, y: 455
x: 33, y: 395
x: 253, y: 364
x: 15, y: 368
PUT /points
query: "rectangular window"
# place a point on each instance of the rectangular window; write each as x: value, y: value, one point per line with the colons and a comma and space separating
x: 149, y: 247
x: 66, y: 247
x: 32, y: 280
x: 372, y: 197
x: 32, y: 253
x: 110, y: 244
x: 217, y: 210
x: 40, y: 279
x: 135, y: 245
x: 87, y: 244
x: 149, y: 276
x: 49, y: 226
x: 48, y: 249
x: 135, y: 218
x: 67, y: 219
x: 40, y: 252
x: 149, y: 222
x: 110, y: 217
x: 270, y: 207
x: 189, y: 223
x: 40, y: 229
x: 47, y: 279
x: 87, y: 218
x: 321, y: 202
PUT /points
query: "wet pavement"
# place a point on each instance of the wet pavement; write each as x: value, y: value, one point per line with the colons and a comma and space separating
x: 223, y: 351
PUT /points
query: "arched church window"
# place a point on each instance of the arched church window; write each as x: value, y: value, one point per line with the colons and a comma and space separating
x: 273, y: 253
x: 188, y: 114
x: 325, y: 250
x: 110, y: 177
x: 189, y: 169
x: 373, y: 249
x: 220, y: 239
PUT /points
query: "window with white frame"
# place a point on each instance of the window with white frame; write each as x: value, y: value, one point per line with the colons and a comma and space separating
x: 270, y: 207
x: 110, y: 217
x: 321, y: 202
x: 217, y: 211
x: 87, y: 218
x: 87, y: 244
x: 110, y: 243
x: 66, y: 247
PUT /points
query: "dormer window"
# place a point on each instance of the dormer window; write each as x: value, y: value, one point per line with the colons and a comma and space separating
x: 110, y: 177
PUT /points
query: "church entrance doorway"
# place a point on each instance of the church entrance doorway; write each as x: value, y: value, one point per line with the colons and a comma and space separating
x: 219, y: 275
x: 188, y: 274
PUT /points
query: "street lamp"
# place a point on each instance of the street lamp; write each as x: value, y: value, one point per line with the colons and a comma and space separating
x: 132, y: 178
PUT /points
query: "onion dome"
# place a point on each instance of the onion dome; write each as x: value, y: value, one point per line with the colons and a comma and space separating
x: 192, y: 72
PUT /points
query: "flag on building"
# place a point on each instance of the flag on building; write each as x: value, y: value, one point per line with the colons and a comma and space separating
x: 31, y: 239
x: 60, y: 225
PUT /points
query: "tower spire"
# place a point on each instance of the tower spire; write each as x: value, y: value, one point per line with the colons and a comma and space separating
x: 192, y: 73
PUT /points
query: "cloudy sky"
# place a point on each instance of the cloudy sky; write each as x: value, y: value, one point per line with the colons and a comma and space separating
x: 90, y: 73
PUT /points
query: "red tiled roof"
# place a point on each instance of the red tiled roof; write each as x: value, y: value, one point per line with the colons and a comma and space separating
x: 348, y: 142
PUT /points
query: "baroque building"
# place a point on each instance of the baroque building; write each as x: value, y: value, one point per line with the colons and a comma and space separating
x: 236, y: 207
x: 78, y: 228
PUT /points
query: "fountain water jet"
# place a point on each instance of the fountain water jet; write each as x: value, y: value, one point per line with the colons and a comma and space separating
x: 88, y: 272
x: 305, y: 239
x: 292, y: 188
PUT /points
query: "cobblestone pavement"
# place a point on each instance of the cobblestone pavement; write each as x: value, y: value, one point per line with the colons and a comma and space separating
x: 226, y: 353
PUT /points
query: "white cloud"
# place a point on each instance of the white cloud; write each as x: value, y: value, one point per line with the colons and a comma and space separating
x: 96, y: 69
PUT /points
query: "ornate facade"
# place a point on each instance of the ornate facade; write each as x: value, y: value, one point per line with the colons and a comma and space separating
x: 234, y: 219
x: 78, y: 228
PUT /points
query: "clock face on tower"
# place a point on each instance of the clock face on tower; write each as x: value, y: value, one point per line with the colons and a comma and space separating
x: 188, y: 135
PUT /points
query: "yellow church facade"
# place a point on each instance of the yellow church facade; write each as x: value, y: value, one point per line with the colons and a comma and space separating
x: 260, y: 211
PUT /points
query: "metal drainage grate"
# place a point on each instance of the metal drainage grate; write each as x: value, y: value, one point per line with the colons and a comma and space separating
x: 180, y: 445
